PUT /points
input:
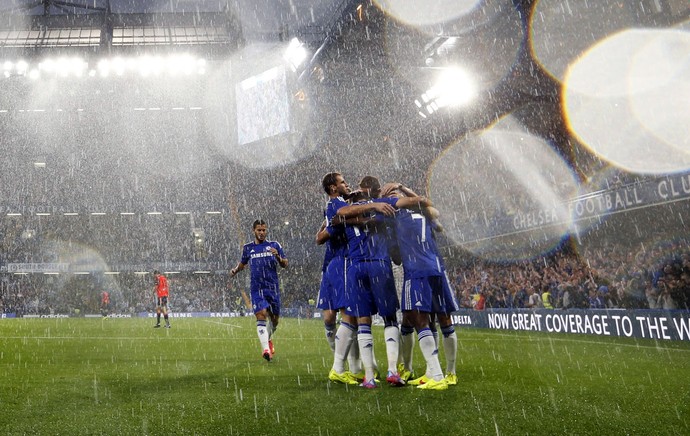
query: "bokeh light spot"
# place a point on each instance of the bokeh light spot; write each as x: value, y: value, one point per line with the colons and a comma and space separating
x: 502, y: 193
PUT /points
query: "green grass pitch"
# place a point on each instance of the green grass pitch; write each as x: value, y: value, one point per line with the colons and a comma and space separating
x: 206, y: 376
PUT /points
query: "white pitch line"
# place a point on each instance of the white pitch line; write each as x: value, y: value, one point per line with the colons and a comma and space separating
x: 225, y: 324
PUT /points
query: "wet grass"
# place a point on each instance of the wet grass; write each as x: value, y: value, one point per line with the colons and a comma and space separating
x: 206, y: 376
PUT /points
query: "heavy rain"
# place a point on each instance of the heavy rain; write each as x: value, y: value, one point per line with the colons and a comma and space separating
x: 550, y: 135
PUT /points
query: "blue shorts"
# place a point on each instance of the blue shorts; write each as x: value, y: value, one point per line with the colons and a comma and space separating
x: 430, y: 294
x: 371, y: 289
x: 266, y: 298
x: 332, y: 290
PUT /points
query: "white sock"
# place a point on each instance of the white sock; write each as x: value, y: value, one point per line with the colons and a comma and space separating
x: 343, y: 342
x: 450, y: 347
x: 392, y: 336
x: 330, y: 336
x: 373, y: 361
x: 435, y: 333
x: 430, y: 353
x: 353, y: 360
x: 366, y: 350
x: 262, y: 331
x: 271, y: 328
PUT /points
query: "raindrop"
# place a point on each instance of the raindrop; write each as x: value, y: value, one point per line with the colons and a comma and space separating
x: 95, y: 389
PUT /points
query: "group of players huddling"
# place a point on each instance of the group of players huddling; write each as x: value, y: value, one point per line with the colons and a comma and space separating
x: 365, y: 232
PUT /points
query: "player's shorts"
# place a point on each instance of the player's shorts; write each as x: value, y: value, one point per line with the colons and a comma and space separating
x: 162, y: 302
x: 371, y: 289
x: 266, y: 298
x: 431, y: 294
x: 332, y: 290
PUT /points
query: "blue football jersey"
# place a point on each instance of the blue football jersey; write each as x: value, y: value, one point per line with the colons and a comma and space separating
x: 262, y: 263
x: 337, y: 243
x: 369, y: 242
x: 418, y: 248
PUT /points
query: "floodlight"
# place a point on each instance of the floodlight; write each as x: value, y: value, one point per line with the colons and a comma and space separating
x: 454, y: 88
x: 21, y: 67
x: 48, y: 65
x: 295, y: 54
x: 118, y: 64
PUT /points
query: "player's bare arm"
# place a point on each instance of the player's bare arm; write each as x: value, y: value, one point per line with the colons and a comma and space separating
x: 240, y: 266
x: 416, y: 203
x: 407, y: 192
x: 282, y: 261
x: 322, y: 235
x: 354, y: 210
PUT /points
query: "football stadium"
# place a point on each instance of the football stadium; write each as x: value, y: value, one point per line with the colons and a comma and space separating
x: 426, y: 196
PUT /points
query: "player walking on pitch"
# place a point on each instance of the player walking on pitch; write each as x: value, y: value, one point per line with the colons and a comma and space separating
x: 105, y: 304
x: 162, y: 292
x: 263, y: 258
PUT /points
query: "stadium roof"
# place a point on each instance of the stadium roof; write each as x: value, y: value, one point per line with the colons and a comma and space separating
x: 368, y: 100
x: 105, y: 23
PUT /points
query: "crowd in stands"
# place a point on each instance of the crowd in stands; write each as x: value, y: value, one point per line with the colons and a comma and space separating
x: 656, y: 278
x: 132, y: 294
x: 593, y: 279
x: 116, y: 239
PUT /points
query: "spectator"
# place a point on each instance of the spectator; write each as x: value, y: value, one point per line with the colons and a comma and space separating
x: 566, y: 302
x: 534, y: 299
x: 652, y: 296
x: 480, y: 302
x: 665, y: 300
x: 546, y: 299
x: 595, y: 301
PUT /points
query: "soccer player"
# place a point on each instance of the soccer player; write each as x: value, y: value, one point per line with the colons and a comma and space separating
x: 105, y: 304
x: 426, y: 289
x: 263, y: 258
x: 383, y: 242
x: 162, y: 292
x: 370, y: 282
x: 332, y: 297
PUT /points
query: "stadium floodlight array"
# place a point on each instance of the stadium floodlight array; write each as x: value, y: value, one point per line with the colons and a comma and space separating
x: 295, y: 54
x: 152, y: 65
x: 454, y: 87
x: 118, y: 66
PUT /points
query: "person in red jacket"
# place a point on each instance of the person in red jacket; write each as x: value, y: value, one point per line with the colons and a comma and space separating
x: 105, y: 304
x: 162, y: 293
